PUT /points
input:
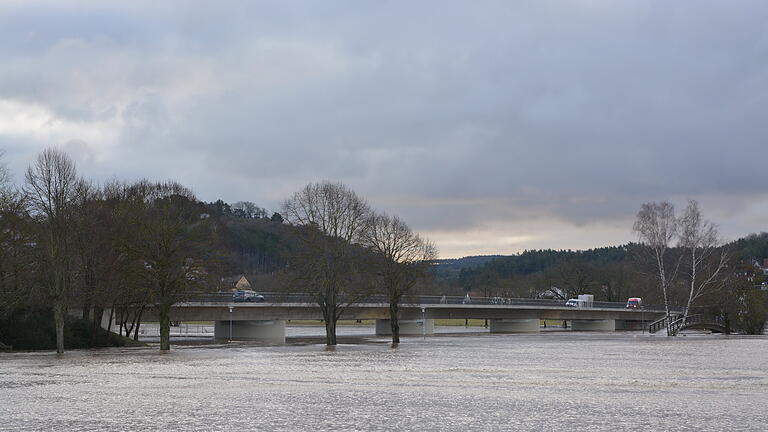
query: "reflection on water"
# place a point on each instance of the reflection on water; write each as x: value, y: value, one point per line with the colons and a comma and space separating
x: 150, y: 332
x: 550, y: 381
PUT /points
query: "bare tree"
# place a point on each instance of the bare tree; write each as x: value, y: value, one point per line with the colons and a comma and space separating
x: 572, y: 277
x: 247, y: 209
x: 705, y: 257
x: 614, y: 282
x: 85, y: 245
x: 657, y: 227
x: 332, y: 218
x: 16, y: 263
x: 106, y: 273
x: 5, y: 181
x: 405, y: 258
x: 51, y: 187
x: 172, y: 244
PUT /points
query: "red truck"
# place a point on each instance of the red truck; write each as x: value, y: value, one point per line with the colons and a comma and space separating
x: 634, y: 302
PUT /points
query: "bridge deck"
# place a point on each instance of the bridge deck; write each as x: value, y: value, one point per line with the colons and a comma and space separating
x: 221, y: 311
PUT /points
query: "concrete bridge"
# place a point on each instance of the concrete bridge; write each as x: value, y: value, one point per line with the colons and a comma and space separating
x: 266, y: 321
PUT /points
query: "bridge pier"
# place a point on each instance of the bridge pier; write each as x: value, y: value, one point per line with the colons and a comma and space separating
x: 265, y: 331
x: 593, y: 325
x: 522, y: 325
x: 629, y: 325
x: 407, y: 327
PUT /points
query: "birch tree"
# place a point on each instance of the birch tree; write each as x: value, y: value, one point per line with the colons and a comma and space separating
x: 657, y: 226
x: 404, y: 259
x: 705, y: 258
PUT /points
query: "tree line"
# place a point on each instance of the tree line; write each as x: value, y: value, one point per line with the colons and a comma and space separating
x: 679, y: 262
x: 70, y: 244
x: 108, y: 251
x: 74, y: 246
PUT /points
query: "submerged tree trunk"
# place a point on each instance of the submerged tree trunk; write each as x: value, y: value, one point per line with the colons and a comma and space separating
x: 97, y: 317
x: 330, y: 317
x: 119, y: 320
x: 111, y: 317
x: 330, y: 312
x: 95, y: 322
x: 664, y: 289
x: 669, y: 314
x: 59, y: 315
x: 330, y: 332
x: 165, y: 327
x: 128, y: 330
x: 138, y: 323
x: 394, y: 307
x: 124, y: 322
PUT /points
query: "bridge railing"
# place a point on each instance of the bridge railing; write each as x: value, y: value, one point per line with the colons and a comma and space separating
x: 282, y: 297
x: 221, y: 297
x: 678, y: 322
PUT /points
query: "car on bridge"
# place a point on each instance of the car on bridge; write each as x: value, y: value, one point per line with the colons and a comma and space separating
x: 572, y: 303
x: 241, y: 296
x: 634, y: 302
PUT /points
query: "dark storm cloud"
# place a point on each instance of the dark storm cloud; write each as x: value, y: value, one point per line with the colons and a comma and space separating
x: 458, y: 117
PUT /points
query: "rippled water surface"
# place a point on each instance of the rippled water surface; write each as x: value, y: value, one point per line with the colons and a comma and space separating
x: 548, y: 381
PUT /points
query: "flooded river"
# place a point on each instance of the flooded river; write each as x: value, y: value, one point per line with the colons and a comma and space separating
x: 547, y: 381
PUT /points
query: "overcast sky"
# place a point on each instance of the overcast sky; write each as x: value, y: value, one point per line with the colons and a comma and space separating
x: 490, y: 127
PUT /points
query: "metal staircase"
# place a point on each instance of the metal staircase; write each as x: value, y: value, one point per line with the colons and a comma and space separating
x: 678, y: 323
x: 660, y: 323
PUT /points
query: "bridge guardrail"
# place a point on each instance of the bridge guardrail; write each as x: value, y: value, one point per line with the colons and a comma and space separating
x: 279, y: 297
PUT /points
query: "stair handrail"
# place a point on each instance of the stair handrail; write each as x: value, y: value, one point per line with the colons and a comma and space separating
x: 657, y: 325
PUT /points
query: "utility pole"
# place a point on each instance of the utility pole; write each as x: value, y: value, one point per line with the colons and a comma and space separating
x: 424, y: 323
x: 230, y: 323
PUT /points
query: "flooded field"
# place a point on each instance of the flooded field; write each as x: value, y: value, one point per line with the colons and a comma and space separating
x: 470, y: 381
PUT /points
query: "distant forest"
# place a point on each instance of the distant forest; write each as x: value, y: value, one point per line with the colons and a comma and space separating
x: 611, y: 273
x: 257, y: 244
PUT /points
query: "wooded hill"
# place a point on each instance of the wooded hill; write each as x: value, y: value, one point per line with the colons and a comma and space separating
x: 610, y: 272
x: 533, y: 261
x: 257, y: 246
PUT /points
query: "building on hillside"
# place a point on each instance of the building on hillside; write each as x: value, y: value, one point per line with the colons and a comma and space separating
x: 242, y: 283
x: 235, y: 283
x: 762, y: 266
